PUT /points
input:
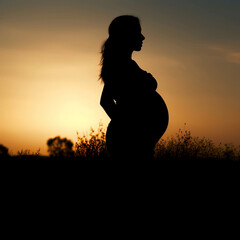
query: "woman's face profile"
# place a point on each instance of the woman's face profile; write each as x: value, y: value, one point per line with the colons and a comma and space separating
x: 137, y: 38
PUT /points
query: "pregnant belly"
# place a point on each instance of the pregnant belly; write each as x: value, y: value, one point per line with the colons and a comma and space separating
x: 157, y: 116
x: 146, y: 119
x: 159, y: 108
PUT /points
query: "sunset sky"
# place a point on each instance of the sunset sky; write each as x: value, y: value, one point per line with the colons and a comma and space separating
x: 49, y: 56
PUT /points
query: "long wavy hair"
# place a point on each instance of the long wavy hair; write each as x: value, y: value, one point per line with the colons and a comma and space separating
x: 120, y: 31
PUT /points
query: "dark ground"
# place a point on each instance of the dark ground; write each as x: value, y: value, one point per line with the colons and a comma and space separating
x: 200, y: 169
x: 160, y: 190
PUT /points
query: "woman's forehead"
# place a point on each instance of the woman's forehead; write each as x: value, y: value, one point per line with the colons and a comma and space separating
x: 138, y: 27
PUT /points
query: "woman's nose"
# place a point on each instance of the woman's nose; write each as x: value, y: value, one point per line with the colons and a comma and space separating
x: 142, y: 37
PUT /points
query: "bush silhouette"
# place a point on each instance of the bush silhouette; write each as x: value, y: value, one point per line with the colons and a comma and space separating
x: 185, y: 146
x: 28, y: 153
x: 182, y: 146
x: 92, y: 146
x: 60, y: 147
x: 3, y: 151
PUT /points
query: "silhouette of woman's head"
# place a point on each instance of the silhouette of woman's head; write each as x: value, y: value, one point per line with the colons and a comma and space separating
x: 124, y: 37
x: 125, y: 31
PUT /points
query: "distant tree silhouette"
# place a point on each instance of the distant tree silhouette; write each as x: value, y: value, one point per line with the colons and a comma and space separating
x: 3, y: 151
x: 60, y: 147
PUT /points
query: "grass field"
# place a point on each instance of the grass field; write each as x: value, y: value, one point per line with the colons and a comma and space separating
x: 178, y: 155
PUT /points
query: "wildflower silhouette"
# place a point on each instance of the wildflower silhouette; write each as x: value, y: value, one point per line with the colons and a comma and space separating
x: 184, y: 146
x: 181, y: 146
x: 92, y: 146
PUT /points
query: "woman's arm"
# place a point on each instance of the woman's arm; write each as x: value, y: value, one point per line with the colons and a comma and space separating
x: 107, y: 101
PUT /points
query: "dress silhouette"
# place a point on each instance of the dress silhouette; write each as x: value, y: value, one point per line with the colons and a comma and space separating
x: 139, y: 115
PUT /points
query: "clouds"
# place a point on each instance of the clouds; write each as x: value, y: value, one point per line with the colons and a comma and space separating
x: 232, y: 56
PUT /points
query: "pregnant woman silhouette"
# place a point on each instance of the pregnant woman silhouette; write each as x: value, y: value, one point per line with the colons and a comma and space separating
x: 139, y: 116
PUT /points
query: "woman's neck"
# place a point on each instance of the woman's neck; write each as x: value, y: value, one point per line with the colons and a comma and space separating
x: 126, y: 55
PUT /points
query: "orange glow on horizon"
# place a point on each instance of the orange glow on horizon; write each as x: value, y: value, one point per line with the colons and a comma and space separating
x: 49, y: 75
